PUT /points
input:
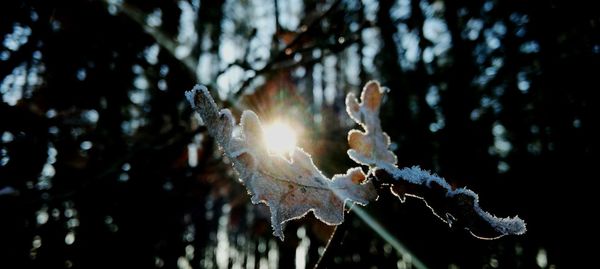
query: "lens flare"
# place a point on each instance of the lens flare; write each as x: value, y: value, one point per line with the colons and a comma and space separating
x: 280, y: 138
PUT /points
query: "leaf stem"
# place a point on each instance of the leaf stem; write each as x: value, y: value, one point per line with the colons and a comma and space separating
x: 336, y: 238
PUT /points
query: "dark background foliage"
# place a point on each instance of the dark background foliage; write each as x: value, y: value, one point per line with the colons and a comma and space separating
x: 103, y: 165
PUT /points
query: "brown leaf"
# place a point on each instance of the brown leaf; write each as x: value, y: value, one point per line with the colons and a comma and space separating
x: 371, y: 146
x: 291, y: 188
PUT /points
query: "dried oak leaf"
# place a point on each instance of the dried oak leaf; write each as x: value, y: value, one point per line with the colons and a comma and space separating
x: 454, y: 206
x: 290, y: 188
x: 371, y: 146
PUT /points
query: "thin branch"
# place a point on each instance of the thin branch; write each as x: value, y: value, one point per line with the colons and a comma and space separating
x: 161, y: 38
x: 336, y: 239
x: 286, y: 52
x: 457, y: 207
x: 388, y: 237
x: 277, y: 24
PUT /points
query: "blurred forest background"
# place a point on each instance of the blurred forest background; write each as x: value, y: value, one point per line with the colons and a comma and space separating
x: 103, y: 165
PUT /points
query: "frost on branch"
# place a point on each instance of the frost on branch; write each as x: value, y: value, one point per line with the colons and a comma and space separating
x: 289, y: 188
x: 459, y: 207
x: 454, y: 206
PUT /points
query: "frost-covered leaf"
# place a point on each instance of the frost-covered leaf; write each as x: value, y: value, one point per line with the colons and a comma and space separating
x: 371, y: 146
x: 454, y: 206
x: 291, y: 188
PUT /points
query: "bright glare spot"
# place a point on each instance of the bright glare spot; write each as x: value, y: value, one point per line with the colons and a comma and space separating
x: 70, y: 238
x: 541, y: 258
x: 37, y: 241
x: 302, y: 249
x: 86, y: 145
x: 42, y: 217
x: 192, y: 155
x: 183, y: 263
x: 280, y: 138
x: 7, y: 137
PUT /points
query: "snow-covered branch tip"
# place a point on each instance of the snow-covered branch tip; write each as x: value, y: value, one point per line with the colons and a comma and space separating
x: 459, y: 207
x: 291, y: 188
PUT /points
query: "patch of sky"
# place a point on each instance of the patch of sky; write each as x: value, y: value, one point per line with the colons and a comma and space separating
x: 17, y: 38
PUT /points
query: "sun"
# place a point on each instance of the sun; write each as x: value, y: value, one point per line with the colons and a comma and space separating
x: 280, y: 138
